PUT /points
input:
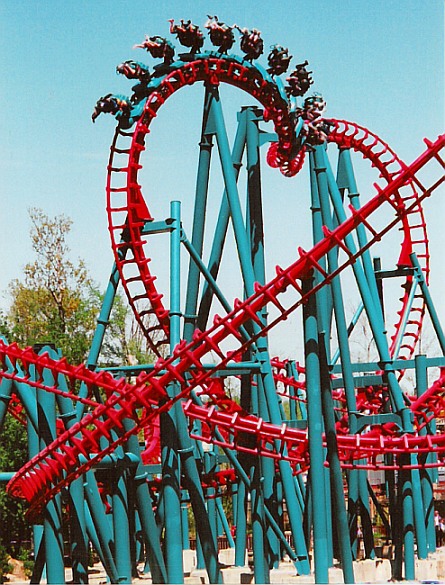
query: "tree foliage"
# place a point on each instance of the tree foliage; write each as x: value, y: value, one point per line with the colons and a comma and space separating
x: 56, y: 300
x: 15, y: 531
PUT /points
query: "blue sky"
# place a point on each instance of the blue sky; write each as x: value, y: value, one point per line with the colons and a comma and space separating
x: 378, y: 63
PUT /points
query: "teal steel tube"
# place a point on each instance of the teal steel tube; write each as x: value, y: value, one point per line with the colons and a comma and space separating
x: 222, y: 224
x: 408, y: 524
x: 315, y: 431
x: 255, y: 231
x: 209, y: 467
x: 319, y: 190
x: 426, y: 476
x: 224, y: 522
x: 105, y: 554
x: 337, y: 294
x: 5, y: 396
x: 365, y: 515
x: 148, y: 522
x: 102, y: 525
x: 320, y: 165
x: 301, y: 404
x: 184, y: 522
x: 27, y: 396
x: 121, y: 526
x: 207, y: 536
x: 78, y: 531
x: 52, y: 523
x: 260, y: 568
x: 419, y: 514
x: 335, y: 472
x: 429, y: 302
x: 169, y: 441
x: 373, y: 311
x: 96, y: 344
x: 241, y: 526
x: 202, y: 184
x: 266, y: 371
x: 346, y: 178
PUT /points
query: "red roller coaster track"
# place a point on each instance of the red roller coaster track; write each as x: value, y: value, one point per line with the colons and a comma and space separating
x: 58, y: 464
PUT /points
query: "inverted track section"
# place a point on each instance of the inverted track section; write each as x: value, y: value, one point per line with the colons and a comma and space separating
x: 77, y: 450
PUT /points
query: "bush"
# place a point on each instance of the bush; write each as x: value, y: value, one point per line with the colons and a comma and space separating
x: 5, y: 567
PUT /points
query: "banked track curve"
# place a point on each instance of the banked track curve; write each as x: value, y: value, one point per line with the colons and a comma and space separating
x: 60, y: 463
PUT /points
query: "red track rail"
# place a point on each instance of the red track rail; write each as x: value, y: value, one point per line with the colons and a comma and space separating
x: 128, y: 212
x: 58, y: 464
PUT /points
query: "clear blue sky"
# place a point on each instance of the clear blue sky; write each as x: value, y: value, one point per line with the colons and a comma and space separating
x: 378, y: 63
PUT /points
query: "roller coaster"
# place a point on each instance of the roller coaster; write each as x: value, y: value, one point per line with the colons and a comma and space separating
x: 217, y: 436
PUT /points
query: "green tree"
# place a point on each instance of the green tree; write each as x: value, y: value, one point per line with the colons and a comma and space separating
x: 56, y: 301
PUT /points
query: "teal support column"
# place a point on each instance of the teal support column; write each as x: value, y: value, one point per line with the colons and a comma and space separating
x: 210, y: 467
x: 418, y: 511
x: 172, y: 504
x: 184, y: 522
x: 222, y: 224
x: 52, y: 523
x: 200, y: 561
x: 105, y: 555
x: 177, y: 432
x: 335, y: 472
x: 27, y: 396
x: 150, y: 530
x: 255, y: 232
x: 315, y: 431
x: 121, y: 527
x: 244, y: 253
x: 96, y: 344
x: 102, y: 525
x: 373, y: 309
x: 429, y: 302
x: 202, y: 183
x: 260, y: 568
x: 408, y: 524
x: 171, y: 473
x: 321, y: 199
x: 346, y: 181
x: 241, y: 526
x: 365, y: 514
x: 426, y: 476
x: 225, y: 524
x: 5, y: 397
x: 78, y: 532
